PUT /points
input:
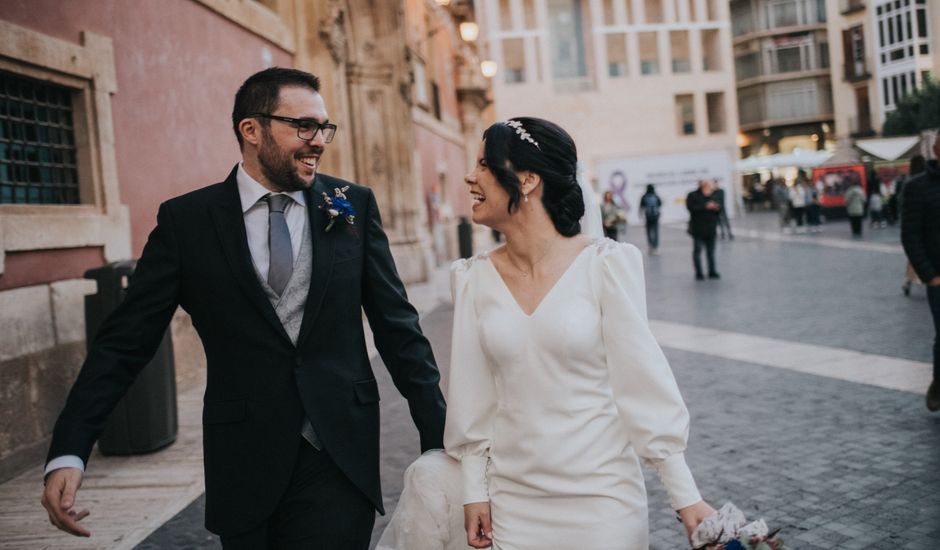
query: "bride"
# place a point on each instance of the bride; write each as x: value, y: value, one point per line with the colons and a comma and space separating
x: 557, y: 387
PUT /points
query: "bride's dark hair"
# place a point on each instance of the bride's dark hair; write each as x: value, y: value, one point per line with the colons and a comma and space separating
x: 555, y: 159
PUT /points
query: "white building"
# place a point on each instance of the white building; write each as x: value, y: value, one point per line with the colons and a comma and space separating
x: 904, y: 54
x: 631, y: 80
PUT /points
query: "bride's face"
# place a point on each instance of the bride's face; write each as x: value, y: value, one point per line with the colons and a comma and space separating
x: 490, y: 200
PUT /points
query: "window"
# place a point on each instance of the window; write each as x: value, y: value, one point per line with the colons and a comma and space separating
x: 436, y: 100
x: 421, y: 83
x: 649, y: 53
x: 38, y: 162
x: 921, y: 23
x: 514, y: 60
x: 653, y: 10
x: 886, y: 93
x: 616, y: 54
x: 679, y: 48
x: 711, y: 50
x: 529, y: 10
x: 567, y: 40
x: 505, y: 15
x: 792, y: 99
x: 715, y: 104
x: 610, y: 17
x: 747, y: 66
x: 685, y: 114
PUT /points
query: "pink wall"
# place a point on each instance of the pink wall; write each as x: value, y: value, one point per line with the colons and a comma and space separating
x: 178, y: 66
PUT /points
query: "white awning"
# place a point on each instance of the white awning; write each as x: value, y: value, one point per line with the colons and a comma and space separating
x: 798, y: 158
x: 888, y: 148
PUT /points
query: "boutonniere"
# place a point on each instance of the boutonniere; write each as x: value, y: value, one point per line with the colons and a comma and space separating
x: 338, y: 206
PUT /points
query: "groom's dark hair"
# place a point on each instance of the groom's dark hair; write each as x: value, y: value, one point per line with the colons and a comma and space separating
x: 259, y: 94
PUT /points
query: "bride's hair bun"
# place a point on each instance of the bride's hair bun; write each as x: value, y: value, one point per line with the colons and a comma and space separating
x: 539, y: 146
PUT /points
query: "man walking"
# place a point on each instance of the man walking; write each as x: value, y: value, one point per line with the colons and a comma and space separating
x: 703, y: 221
x: 275, y: 265
x: 855, y: 208
x: 650, y: 203
x: 920, y: 235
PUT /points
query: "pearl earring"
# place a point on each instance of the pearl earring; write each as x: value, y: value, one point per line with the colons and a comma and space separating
x: 525, y: 197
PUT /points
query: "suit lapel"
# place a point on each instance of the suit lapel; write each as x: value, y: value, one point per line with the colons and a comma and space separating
x: 322, y: 256
x: 230, y: 223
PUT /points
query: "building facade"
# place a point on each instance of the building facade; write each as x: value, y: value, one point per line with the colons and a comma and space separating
x: 108, y: 109
x: 631, y: 80
x: 782, y: 66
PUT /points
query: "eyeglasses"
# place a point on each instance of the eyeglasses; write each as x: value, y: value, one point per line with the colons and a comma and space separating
x: 306, y: 128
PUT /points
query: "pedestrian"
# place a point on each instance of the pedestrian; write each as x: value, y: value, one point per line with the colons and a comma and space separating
x: 274, y: 265
x: 876, y: 210
x: 782, y: 202
x: 724, y: 226
x: 920, y: 235
x: 650, y: 205
x: 855, y: 207
x: 798, y: 203
x: 917, y: 166
x: 703, y: 221
x: 611, y: 216
x: 814, y: 211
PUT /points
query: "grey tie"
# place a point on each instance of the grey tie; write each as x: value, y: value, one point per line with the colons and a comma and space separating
x: 282, y: 253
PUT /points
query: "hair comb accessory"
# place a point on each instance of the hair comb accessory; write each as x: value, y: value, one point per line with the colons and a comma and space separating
x: 523, y: 134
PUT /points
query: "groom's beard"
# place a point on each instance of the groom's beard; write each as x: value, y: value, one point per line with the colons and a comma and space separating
x: 278, y: 166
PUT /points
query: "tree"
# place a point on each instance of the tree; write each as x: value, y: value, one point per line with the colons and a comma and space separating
x: 915, y: 112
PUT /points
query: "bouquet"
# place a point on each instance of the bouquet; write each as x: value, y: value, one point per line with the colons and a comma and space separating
x: 727, y: 530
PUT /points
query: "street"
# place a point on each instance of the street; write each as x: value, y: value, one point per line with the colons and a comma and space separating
x: 834, y: 463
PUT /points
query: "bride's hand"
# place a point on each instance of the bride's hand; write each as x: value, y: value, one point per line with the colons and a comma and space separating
x: 476, y: 520
x: 692, y: 515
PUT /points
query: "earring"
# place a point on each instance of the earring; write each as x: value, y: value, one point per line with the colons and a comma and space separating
x: 525, y: 197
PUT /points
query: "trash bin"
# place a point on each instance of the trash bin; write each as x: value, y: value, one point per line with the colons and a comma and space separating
x: 465, y: 237
x: 145, y: 419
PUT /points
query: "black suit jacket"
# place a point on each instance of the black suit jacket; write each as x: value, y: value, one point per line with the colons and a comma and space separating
x: 920, y: 222
x: 259, y: 385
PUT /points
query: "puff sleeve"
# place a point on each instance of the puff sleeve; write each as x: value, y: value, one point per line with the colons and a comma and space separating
x: 471, y: 389
x: 647, y: 397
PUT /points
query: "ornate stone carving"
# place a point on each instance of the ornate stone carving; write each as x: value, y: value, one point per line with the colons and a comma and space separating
x: 333, y: 32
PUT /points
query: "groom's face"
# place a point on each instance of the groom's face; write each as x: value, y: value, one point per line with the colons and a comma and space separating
x: 287, y: 161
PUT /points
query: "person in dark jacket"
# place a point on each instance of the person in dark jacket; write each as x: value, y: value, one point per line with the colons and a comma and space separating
x: 920, y: 235
x: 704, y: 211
x: 650, y: 205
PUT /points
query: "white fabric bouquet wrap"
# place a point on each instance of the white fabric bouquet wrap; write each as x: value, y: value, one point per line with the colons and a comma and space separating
x: 725, y: 525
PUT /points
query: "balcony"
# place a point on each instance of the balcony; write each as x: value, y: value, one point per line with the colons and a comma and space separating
x: 848, y: 7
x: 860, y: 127
x: 856, y: 70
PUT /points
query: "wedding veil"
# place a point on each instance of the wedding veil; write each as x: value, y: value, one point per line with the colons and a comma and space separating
x: 591, y: 224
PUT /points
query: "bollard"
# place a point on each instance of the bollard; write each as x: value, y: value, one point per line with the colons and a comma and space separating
x: 465, y: 237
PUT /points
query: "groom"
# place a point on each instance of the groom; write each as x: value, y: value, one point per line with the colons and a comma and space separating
x: 275, y: 280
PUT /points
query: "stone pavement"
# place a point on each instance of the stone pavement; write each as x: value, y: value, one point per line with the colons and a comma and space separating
x: 783, y: 423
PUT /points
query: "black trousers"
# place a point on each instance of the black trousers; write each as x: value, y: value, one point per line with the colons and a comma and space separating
x: 708, y: 243
x: 856, y: 222
x: 321, y: 509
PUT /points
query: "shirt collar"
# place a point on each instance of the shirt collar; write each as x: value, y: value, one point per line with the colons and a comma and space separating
x: 250, y: 191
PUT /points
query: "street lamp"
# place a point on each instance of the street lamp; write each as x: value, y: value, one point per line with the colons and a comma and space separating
x: 469, y: 31
x: 488, y: 68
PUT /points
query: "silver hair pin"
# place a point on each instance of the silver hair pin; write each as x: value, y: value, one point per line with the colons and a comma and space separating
x: 523, y: 134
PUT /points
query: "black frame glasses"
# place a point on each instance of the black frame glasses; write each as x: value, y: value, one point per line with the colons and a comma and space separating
x: 307, y: 128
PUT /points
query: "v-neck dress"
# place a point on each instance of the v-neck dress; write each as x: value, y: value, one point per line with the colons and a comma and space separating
x: 550, y: 414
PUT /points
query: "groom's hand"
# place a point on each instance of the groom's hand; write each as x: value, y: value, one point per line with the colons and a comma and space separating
x: 477, y: 522
x: 59, y: 498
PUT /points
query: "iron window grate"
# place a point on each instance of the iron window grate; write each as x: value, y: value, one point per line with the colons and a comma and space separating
x: 37, y: 142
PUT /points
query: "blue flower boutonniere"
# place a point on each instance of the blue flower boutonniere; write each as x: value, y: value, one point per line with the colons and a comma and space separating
x: 338, y: 206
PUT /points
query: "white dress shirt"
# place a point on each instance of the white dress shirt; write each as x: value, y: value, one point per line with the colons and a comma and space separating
x: 256, y: 226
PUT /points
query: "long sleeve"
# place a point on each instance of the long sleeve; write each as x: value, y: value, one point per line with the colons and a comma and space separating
x: 125, y: 343
x: 471, y: 393
x: 913, y: 230
x: 405, y: 350
x: 645, y: 391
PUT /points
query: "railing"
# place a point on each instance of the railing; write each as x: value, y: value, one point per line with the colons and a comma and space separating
x: 856, y: 70
x: 851, y: 6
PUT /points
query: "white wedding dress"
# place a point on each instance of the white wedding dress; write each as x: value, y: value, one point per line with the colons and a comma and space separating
x: 549, y: 415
